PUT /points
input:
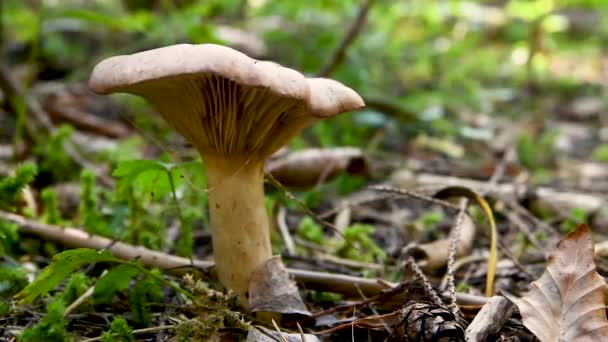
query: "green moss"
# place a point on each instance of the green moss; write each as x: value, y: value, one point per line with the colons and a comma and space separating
x: 51, y: 328
x: 120, y: 331
x: 11, y: 187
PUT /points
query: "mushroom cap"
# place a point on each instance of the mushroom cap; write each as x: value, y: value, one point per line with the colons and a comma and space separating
x: 223, y: 101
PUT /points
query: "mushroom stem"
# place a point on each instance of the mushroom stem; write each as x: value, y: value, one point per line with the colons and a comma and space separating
x: 239, y: 222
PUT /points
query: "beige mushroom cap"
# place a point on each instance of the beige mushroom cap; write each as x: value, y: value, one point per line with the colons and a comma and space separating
x: 221, y: 100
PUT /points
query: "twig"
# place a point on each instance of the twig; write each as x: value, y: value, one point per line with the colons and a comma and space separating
x: 75, y: 304
x: 353, y: 31
x: 563, y: 200
x: 138, y: 331
x: 276, y: 326
x: 350, y: 203
x: 289, y: 195
x: 416, y: 195
x: 284, y: 230
x: 321, y: 281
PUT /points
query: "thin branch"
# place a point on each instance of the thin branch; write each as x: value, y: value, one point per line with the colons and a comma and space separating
x: 88, y: 294
x: 321, y: 281
x: 353, y: 31
x: 284, y: 230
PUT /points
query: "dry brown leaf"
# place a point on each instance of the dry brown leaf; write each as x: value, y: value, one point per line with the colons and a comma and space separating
x: 568, y: 302
x: 272, y: 290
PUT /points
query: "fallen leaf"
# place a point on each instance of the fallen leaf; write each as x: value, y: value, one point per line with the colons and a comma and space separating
x: 568, y: 302
x: 272, y: 290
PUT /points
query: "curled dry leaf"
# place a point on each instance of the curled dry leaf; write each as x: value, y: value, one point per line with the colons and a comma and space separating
x: 272, y: 290
x: 568, y: 302
x: 434, y: 255
x: 307, y: 168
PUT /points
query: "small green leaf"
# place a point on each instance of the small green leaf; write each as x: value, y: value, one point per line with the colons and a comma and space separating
x: 61, y: 267
x: 116, y: 280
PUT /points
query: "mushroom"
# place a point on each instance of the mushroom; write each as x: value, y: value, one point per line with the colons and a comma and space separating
x: 236, y: 111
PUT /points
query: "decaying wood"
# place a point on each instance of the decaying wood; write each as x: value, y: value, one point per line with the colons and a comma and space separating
x: 560, y: 200
x: 490, y: 319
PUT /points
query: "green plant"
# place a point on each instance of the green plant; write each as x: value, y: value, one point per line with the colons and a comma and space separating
x: 141, y: 179
x: 9, y: 237
x: 12, y: 280
x: 11, y: 187
x: 51, y: 328
x: 120, y: 331
x: 50, y: 214
x: 600, y: 153
x: 53, y: 157
x: 308, y: 229
x: 575, y: 217
x: 359, y: 245
x: 143, y: 292
x: 77, y: 285
x: 90, y: 216
x: 116, y: 280
x: 5, y: 308
x: 66, y: 262
x: 429, y: 220
x: 536, y: 153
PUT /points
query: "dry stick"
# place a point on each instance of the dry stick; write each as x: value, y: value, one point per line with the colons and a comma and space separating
x: 353, y: 31
x: 375, y: 312
x: 77, y: 238
x: 75, y: 304
x: 416, y: 195
x: 284, y: 230
x: 561, y: 199
x: 274, y: 182
x: 349, y: 203
x: 322, y: 281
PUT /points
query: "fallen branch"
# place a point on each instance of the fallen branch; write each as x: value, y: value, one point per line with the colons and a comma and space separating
x: 76, y: 238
